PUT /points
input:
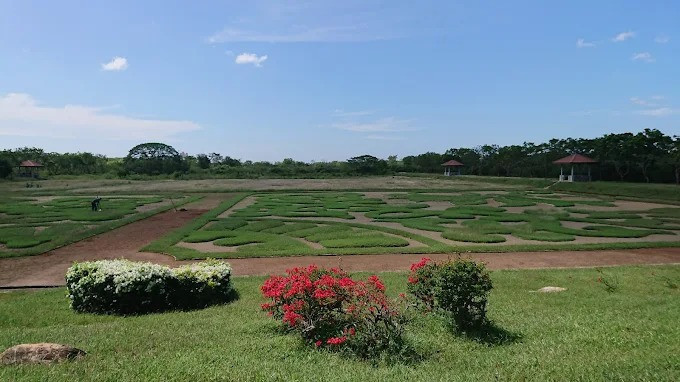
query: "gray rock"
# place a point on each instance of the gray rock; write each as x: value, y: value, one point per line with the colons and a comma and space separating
x: 39, y: 353
x: 551, y: 289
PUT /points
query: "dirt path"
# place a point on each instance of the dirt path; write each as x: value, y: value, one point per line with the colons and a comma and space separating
x: 50, y: 268
x: 515, y: 260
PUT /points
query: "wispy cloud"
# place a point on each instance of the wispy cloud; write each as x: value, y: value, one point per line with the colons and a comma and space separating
x: 623, y: 36
x: 250, y: 58
x: 581, y: 43
x: 383, y: 125
x: 345, y: 33
x: 658, y: 112
x: 642, y: 102
x: 643, y: 56
x: 116, y: 64
x: 343, y: 113
x: 21, y: 115
x: 662, y: 39
x: 384, y: 137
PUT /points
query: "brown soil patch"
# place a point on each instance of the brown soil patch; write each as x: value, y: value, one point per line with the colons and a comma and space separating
x: 40, y: 228
x: 625, y: 205
x: 308, y: 243
x: 517, y: 260
x: 217, y: 185
x: 492, y: 203
x: 439, y: 205
x: 207, y: 247
x: 152, y: 206
x: 574, y: 225
x: 539, y: 206
x: 247, y: 201
x: 50, y: 268
x: 42, y: 199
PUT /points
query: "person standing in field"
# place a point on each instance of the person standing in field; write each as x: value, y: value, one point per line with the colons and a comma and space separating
x: 96, y: 204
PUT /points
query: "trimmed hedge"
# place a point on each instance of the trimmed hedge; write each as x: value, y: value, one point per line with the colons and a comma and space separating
x: 126, y: 287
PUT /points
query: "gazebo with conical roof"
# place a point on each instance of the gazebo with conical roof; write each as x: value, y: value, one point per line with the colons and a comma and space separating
x: 575, y: 160
x: 452, y: 165
x: 29, y: 168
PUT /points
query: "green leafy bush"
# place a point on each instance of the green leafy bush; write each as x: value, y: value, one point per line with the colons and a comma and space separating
x: 459, y: 289
x: 126, y: 287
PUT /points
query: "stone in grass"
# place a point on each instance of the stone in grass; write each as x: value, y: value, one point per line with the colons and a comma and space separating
x: 39, y: 353
x: 551, y: 289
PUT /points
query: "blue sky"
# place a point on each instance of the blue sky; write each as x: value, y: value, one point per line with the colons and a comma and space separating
x: 322, y: 80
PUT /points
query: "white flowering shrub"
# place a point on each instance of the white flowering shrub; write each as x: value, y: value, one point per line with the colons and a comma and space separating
x: 202, y: 284
x: 126, y: 287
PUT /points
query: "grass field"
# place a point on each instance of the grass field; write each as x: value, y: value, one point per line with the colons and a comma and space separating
x: 585, y: 333
x: 35, y: 224
x: 313, y: 223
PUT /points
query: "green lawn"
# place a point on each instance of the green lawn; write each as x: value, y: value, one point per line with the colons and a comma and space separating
x: 315, y: 223
x: 585, y: 333
x: 30, y: 225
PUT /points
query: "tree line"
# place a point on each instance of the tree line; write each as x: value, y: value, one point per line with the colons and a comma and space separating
x: 649, y: 155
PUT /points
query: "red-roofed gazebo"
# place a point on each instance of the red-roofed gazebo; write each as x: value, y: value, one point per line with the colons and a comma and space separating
x: 29, y: 168
x: 452, y: 164
x: 575, y: 160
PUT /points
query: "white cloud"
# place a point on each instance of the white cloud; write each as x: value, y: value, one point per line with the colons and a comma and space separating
x: 298, y: 34
x: 643, y: 56
x: 21, y: 115
x: 581, y: 43
x: 383, y: 125
x: 641, y: 102
x: 250, y: 58
x: 657, y: 97
x: 116, y: 64
x: 658, y: 112
x: 662, y: 39
x: 623, y: 36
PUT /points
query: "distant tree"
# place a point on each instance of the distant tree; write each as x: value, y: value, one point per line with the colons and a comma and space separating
x: 203, y: 161
x: 5, y: 168
x: 674, y: 158
x: 616, y: 149
x: 229, y: 161
x: 469, y: 157
x: 154, y: 159
x: 648, y: 147
x: 510, y: 156
x: 367, y: 164
x: 215, y: 158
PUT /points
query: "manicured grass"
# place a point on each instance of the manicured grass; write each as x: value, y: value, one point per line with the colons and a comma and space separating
x: 584, y: 333
x: 31, y: 226
x: 538, y: 217
x: 645, y: 191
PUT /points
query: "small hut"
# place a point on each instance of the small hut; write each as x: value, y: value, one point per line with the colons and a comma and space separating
x: 29, y: 169
x: 575, y: 160
x: 452, y: 165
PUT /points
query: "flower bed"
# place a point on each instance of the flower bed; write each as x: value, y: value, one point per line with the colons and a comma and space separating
x: 329, y: 309
x: 126, y: 287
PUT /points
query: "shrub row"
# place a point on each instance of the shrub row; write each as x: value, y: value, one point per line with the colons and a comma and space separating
x: 126, y: 287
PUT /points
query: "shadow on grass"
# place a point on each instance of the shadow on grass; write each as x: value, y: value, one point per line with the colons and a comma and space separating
x: 229, y: 298
x: 489, y: 334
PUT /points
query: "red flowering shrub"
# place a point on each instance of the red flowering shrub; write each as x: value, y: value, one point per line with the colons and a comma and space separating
x: 421, y: 282
x: 329, y: 309
x: 458, y: 288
